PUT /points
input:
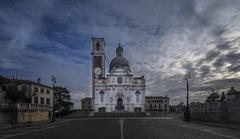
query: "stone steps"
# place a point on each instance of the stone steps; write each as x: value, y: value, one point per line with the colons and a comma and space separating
x: 80, y: 114
x: 77, y: 114
x: 119, y: 114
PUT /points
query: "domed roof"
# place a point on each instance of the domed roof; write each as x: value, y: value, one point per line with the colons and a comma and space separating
x: 119, y: 61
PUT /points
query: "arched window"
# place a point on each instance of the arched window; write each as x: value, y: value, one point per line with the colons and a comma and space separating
x: 128, y: 99
x: 151, y: 106
x: 111, y: 99
x: 137, y: 96
x: 101, y: 96
x: 98, y: 46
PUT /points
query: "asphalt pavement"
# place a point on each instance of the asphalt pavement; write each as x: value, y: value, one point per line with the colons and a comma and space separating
x: 121, y: 128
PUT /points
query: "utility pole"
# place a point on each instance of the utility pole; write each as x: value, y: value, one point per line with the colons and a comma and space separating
x: 54, y: 80
x: 187, y: 111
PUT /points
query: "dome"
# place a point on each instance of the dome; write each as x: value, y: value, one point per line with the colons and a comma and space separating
x: 119, y: 61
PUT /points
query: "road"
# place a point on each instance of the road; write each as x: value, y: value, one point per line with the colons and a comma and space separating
x: 110, y: 128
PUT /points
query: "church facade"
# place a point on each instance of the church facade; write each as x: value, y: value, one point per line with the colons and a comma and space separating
x: 117, y: 90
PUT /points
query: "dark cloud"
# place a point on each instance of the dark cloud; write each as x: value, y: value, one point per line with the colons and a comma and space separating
x: 205, y: 70
x: 219, y: 62
x: 220, y: 59
x: 223, y: 46
x: 233, y: 57
x: 210, y: 56
x: 218, y: 31
x: 205, y: 88
x: 224, y: 83
x: 234, y: 68
x: 188, y: 67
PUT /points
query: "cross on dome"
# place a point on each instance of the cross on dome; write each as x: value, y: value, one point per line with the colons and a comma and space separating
x: 119, y: 50
x: 119, y: 61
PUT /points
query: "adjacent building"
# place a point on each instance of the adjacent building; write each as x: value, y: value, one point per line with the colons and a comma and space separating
x: 86, y: 104
x: 40, y: 104
x: 157, y: 104
x: 35, y: 92
x: 118, y: 90
x: 37, y: 105
x: 38, y: 93
x: 179, y: 108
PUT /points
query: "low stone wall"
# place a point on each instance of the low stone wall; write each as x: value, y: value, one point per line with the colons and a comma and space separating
x: 24, y: 116
x: 4, y: 120
x: 33, y: 116
x: 33, y: 113
x: 233, y: 111
x: 24, y: 113
x: 209, y: 116
x: 4, y: 117
x: 217, y: 111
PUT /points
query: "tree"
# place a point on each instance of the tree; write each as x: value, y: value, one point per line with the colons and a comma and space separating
x: 62, y: 99
x: 13, y: 94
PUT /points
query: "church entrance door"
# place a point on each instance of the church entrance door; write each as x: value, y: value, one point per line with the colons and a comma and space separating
x: 120, y: 104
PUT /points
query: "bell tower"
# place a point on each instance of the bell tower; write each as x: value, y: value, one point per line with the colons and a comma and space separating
x: 98, y: 62
x: 98, y: 57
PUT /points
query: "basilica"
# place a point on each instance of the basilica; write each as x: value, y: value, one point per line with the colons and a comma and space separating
x: 117, y: 90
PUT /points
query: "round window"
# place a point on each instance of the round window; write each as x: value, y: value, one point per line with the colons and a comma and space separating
x: 119, y: 80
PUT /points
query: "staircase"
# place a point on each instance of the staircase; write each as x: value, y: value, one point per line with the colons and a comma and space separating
x: 119, y: 114
x: 81, y: 114
x: 77, y: 114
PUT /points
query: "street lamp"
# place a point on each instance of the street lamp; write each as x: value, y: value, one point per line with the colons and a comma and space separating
x: 187, y: 111
x: 54, y: 80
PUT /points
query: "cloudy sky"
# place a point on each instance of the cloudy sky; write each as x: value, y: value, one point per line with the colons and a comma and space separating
x: 162, y: 40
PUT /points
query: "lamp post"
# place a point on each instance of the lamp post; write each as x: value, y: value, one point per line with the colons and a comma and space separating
x: 53, y: 81
x: 187, y: 111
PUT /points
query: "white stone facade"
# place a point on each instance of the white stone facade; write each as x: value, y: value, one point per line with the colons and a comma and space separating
x: 119, y: 90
